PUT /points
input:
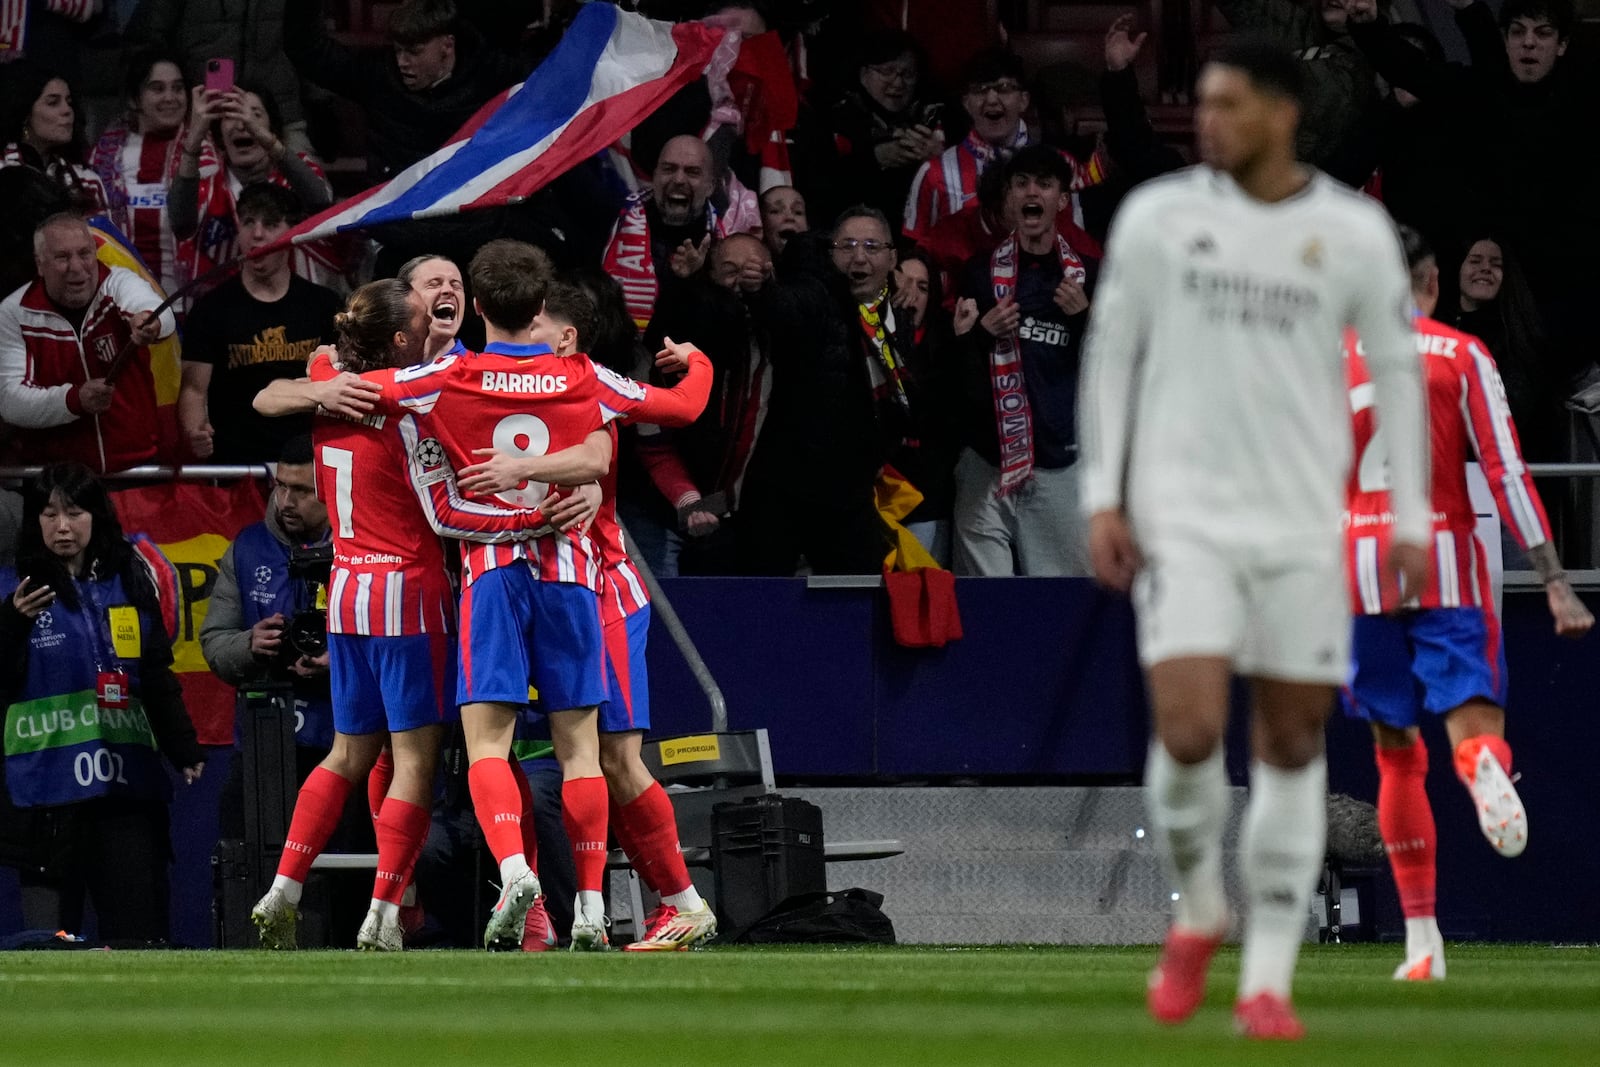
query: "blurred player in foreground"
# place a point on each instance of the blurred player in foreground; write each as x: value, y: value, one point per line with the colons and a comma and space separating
x: 1216, y: 444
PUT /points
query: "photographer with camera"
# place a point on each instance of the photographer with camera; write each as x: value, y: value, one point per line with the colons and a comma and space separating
x: 250, y: 638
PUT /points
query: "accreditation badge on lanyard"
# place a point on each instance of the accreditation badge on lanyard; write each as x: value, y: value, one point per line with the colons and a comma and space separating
x: 111, y: 686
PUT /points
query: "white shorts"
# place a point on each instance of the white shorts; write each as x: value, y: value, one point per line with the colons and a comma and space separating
x: 1272, y: 615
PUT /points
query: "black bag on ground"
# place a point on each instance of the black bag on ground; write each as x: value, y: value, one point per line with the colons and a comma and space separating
x: 850, y: 916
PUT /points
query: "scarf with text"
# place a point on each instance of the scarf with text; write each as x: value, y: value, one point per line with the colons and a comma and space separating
x: 630, y: 261
x: 136, y: 195
x: 1013, y: 415
x: 884, y: 366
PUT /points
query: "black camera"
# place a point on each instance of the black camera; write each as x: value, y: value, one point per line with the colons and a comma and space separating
x: 307, y: 631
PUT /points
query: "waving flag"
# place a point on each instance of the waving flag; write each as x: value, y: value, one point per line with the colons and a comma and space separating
x: 166, y: 356
x: 610, y: 69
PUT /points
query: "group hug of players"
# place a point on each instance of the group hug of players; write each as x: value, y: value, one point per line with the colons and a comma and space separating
x: 413, y: 445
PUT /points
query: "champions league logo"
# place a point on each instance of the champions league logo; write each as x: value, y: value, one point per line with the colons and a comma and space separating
x: 44, y: 635
x: 262, y: 593
x: 430, y: 454
x: 428, y: 458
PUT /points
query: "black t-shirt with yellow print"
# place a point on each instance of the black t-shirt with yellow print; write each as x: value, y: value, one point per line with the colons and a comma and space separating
x: 250, y: 343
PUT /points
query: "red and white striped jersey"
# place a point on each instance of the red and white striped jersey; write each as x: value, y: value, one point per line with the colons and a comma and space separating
x: 626, y: 592
x: 659, y: 407
x: 948, y: 182
x: 519, y: 400
x: 389, y: 576
x: 1468, y: 419
x: 148, y: 164
x: 387, y: 506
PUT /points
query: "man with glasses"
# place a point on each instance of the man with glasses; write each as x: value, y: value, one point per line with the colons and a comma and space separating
x: 995, y: 98
x: 884, y: 336
x: 840, y: 399
x: 883, y: 129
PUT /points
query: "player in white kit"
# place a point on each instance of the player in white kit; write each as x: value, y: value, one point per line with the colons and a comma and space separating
x: 1215, y: 448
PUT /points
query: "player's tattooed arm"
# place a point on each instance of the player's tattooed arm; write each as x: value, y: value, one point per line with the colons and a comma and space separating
x: 1572, y: 617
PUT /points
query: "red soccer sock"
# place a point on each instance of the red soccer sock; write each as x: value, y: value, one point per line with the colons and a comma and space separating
x: 653, y: 826
x: 1405, y: 819
x: 583, y: 810
x: 316, y: 813
x: 1467, y: 755
x: 378, y: 780
x: 530, y: 831
x: 401, y: 829
x: 498, y: 805
x: 623, y: 833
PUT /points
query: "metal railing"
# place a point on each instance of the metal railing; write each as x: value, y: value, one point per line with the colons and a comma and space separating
x: 661, y: 604
x: 1581, y: 578
x: 199, y: 472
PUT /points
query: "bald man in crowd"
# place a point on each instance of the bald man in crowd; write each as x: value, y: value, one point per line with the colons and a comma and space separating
x: 665, y: 230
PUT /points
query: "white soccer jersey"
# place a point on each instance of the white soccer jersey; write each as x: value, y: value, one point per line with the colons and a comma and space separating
x: 1213, y: 397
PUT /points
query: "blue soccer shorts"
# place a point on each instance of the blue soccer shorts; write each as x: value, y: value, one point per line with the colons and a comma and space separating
x: 628, y: 707
x: 518, y: 631
x: 392, y: 683
x: 1423, y: 663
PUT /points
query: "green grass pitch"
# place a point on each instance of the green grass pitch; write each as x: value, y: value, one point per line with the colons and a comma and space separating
x: 1007, y: 1006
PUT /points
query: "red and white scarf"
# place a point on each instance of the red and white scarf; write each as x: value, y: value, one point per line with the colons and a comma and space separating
x: 136, y: 195
x: 964, y: 162
x: 1012, y: 412
x: 215, y: 241
x: 630, y: 261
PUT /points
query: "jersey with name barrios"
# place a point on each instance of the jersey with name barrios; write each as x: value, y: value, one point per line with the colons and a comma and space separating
x: 1469, y: 421
x: 1213, y: 403
x: 519, y: 400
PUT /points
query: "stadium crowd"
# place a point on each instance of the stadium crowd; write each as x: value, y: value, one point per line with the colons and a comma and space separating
x: 852, y: 354
x: 886, y: 247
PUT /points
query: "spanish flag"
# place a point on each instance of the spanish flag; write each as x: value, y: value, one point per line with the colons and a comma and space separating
x: 166, y: 355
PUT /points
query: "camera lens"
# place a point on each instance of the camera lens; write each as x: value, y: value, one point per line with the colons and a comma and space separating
x: 308, y: 633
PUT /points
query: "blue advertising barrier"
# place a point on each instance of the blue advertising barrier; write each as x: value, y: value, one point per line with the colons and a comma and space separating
x: 1045, y: 687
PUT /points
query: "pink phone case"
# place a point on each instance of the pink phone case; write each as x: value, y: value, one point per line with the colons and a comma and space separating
x: 219, y: 75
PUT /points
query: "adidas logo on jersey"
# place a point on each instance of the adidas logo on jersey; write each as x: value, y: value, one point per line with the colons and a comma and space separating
x: 505, y: 382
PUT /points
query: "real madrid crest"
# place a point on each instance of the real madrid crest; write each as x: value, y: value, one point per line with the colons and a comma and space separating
x: 1312, y: 256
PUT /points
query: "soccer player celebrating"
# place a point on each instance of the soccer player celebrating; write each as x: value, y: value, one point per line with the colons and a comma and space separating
x: 642, y: 817
x: 1442, y: 653
x: 1215, y: 448
x: 391, y: 615
x: 437, y: 281
x: 530, y: 608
